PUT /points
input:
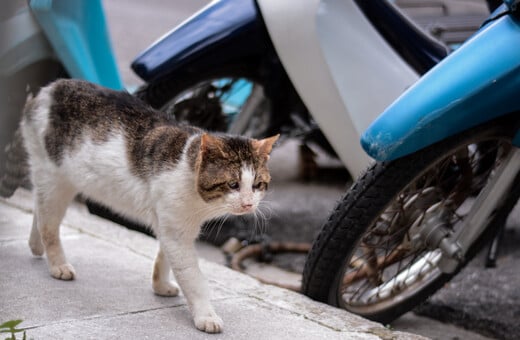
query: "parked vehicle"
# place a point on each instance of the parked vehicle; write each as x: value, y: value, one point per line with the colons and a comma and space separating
x: 446, y: 178
x: 43, y: 41
x: 321, y: 70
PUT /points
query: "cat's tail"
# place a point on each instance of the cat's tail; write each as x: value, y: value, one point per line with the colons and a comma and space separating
x: 16, y: 166
x: 16, y: 169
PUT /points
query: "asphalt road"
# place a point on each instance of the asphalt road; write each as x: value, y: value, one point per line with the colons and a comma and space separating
x: 134, y: 24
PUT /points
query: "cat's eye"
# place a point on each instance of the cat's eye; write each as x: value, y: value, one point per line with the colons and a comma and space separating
x: 260, y: 186
x: 233, y: 185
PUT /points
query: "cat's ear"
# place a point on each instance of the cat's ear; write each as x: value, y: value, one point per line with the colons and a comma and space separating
x: 264, y: 146
x: 210, y: 144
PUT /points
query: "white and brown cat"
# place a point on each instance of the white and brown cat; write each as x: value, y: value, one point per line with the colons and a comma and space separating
x: 114, y: 149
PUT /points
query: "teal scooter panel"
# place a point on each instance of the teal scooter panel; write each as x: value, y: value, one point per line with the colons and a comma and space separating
x: 478, y: 82
x: 77, y: 31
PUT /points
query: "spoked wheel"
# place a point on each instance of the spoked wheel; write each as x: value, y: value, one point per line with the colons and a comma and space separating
x: 221, y: 103
x: 234, y: 105
x: 372, y: 256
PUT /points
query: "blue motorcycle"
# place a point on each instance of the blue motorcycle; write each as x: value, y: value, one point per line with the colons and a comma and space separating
x: 446, y: 178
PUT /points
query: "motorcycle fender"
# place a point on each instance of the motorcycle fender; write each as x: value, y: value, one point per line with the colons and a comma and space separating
x: 220, y: 33
x: 475, y: 84
x: 78, y: 34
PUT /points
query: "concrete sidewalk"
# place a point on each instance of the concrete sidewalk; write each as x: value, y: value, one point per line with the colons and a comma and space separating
x: 112, y: 297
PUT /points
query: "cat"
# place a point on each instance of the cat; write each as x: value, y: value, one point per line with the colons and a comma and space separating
x: 114, y: 149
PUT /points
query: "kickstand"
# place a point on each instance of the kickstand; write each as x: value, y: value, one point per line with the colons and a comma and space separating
x: 491, y: 259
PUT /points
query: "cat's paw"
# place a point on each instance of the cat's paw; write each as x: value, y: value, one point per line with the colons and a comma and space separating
x: 165, y: 288
x: 63, y: 272
x: 209, y: 324
x: 36, y: 247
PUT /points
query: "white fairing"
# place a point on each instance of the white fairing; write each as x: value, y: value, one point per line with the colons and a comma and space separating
x: 344, y: 71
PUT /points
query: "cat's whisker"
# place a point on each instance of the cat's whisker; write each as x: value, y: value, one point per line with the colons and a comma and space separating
x: 215, y: 223
x: 266, y: 209
x: 210, y: 225
x: 257, y: 224
x: 258, y: 219
x: 222, y: 220
x: 261, y: 218
x: 264, y: 221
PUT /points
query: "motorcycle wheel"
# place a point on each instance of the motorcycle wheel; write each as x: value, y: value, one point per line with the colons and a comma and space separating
x: 369, y: 257
x: 229, y: 100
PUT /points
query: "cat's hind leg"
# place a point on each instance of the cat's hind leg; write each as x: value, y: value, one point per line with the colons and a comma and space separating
x: 35, y: 240
x: 161, y: 283
x: 51, y: 201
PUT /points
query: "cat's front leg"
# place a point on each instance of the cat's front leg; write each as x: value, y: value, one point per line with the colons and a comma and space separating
x: 183, y: 259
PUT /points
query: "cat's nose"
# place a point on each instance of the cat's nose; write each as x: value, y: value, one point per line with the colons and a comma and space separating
x: 247, y: 206
x: 244, y: 208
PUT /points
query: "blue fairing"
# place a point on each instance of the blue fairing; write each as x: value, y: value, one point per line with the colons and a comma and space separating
x: 77, y: 31
x: 222, y: 31
x: 477, y: 83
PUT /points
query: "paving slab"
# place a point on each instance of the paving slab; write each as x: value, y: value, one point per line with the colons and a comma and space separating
x: 111, y: 298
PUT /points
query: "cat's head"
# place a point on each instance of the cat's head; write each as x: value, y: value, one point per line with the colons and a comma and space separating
x: 232, y: 171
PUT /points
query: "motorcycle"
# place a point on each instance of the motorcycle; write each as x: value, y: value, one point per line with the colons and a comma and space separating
x: 446, y: 178
x: 241, y: 67
x: 43, y: 41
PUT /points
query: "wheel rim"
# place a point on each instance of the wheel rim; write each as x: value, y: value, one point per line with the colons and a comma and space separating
x: 391, y: 261
x: 234, y: 105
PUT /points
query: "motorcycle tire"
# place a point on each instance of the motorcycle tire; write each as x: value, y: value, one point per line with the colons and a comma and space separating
x: 384, y: 206
x: 196, y: 98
